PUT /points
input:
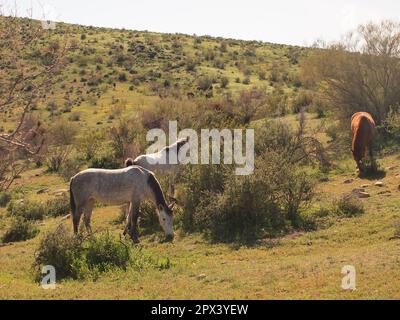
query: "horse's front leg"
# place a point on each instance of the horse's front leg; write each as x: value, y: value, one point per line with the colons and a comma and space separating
x: 171, y: 189
x: 371, y: 152
x: 358, y: 162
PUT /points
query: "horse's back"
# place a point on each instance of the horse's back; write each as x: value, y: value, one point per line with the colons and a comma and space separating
x: 156, y: 163
x: 127, y: 175
x: 110, y: 186
x: 361, y: 119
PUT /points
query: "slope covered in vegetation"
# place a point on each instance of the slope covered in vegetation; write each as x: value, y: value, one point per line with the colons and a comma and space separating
x: 284, y: 232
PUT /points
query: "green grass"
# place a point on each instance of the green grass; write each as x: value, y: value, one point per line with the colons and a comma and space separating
x: 298, y: 266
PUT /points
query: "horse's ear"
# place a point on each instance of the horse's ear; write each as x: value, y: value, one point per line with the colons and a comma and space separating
x: 129, y: 162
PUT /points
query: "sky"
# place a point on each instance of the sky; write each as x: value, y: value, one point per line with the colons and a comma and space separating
x: 296, y: 22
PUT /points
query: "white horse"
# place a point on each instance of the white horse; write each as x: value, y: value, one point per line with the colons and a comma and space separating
x: 159, y: 163
x: 118, y: 187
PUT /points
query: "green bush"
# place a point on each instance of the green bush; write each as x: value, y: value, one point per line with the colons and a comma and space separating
x: 302, y: 100
x: 199, y: 181
x: 349, y: 206
x: 5, y: 198
x: 70, y: 168
x: 392, y: 123
x: 29, y: 210
x: 57, y: 207
x: 242, y: 213
x: 104, y: 162
x: 79, y: 258
x: 205, y: 83
x: 265, y: 204
x: 104, y: 253
x: 20, y: 230
x: 62, y: 251
x: 224, y: 82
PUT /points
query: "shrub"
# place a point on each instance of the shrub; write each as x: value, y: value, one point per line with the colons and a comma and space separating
x: 205, y: 83
x: 230, y: 208
x: 104, y: 161
x: 56, y: 157
x: 392, y: 124
x: 57, y: 207
x: 224, y: 82
x: 89, y: 143
x: 70, y: 168
x: 62, y: 251
x: 75, y: 116
x: 5, y: 198
x: 122, y: 77
x: 302, y: 100
x: 191, y: 64
x: 262, y: 75
x: 199, y: 182
x: 104, y: 253
x: 20, y: 230
x: 78, y: 257
x: 349, y: 206
x: 29, y: 210
x: 242, y: 213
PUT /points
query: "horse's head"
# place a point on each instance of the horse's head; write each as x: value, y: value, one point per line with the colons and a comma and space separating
x: 165, y: 215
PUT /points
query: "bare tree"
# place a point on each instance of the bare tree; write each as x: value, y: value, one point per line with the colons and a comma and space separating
x: 360, y: 73
x: 30, y: 63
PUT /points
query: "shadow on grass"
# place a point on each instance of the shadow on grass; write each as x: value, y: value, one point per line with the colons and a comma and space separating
x: 371, y: 170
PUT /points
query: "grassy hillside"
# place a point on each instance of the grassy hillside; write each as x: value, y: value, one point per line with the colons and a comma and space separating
x: 296, y: 223
x: 110, y: 71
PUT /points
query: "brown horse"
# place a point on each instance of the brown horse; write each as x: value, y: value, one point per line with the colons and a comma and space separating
x: 363, y: 127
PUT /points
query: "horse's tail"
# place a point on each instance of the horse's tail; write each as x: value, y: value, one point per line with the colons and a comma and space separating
x: 72, y: 199
x: 363, y: 135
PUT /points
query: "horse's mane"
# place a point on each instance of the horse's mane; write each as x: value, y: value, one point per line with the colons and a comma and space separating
x: 178, y: 145
x: 157, y: 191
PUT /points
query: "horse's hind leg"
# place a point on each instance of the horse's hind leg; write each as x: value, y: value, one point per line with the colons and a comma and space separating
x: 87, y: 215
x: 76, y: 218
x: 128, y: 220
x: 133, y: 216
